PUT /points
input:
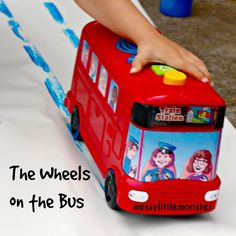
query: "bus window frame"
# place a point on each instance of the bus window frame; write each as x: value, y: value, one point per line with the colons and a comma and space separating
x: 89, y: 67
x: 176, y: 127
x: 89, y: 54
x: 108, y: 90
x: 98, y: 79
x: 94, y: 86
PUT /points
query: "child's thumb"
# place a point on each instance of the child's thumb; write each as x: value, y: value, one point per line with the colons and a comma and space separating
x: 137, y: 64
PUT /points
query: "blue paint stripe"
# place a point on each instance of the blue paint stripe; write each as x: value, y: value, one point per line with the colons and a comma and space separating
x: 37, y: 58
x: 57, y: 93
x: 101, y: 185
x: 57, y: 16
x: 5, y: 10
x: 72, y: 37
x: 17, y: 30
x: 53, y: 85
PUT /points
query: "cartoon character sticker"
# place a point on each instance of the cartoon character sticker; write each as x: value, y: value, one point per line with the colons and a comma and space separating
x: 171, y: 155
x: 199, y: 166
x: 113, y: 95
x: 200, y: 115
x: 85, y: 53
x: 160, y: 166
x: 102, y: 83
x: 132, y: 147
x: 93, y: 67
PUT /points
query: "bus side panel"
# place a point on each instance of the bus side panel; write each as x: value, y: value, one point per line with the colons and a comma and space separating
x: 82, y: 92
x: 92, y: 120
x: 117, y: 145
x: 96, y: 121
x: 111, y: 157
x: 118, y: 137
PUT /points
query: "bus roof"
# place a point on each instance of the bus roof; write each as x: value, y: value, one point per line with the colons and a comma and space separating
x: 144, y: 87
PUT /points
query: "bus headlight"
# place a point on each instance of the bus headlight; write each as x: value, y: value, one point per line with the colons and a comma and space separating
x: 137, y: 196
x: 212, y: 195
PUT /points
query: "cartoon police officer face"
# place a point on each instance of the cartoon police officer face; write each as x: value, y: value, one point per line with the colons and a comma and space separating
x: 161, y: 159
x: 131, y: 152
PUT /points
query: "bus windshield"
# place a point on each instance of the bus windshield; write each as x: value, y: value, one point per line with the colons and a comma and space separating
x: 153, y: 155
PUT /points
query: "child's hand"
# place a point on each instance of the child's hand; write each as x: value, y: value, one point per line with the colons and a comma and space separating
x: 123, y: 18
x: 160, y: 49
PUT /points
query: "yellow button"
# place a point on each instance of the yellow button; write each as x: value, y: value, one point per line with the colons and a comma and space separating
x: 174, y: 78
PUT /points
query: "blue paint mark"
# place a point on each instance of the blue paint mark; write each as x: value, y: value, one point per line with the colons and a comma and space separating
x: 37, y: 58
x: 101, y: 185
x: 54, y: 12
x: 16, y: 29
x: 5, y: 10
x: 52, y: 84
x: 77, y: 143
x: 57, y: 16
x: 72, y: 36
x: 57, y: 93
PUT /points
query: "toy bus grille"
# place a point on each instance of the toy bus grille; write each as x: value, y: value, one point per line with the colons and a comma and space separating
x: 178, y: 196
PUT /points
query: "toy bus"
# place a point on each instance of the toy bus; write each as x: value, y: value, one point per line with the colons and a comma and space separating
x: 154, y: 135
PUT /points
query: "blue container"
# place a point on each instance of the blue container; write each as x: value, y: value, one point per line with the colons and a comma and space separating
x: 176, y: 8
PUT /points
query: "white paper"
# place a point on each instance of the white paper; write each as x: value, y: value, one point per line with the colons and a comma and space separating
x: 33, y: 135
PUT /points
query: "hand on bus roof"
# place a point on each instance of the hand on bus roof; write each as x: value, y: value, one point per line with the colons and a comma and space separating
x: 123, y: 18
x: 160, y: 49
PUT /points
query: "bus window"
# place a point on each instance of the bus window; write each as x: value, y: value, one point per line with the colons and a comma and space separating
x: 131, y: 156
x: 102, y: 83
x: 113, y: 95
x: 85, y: 53
x: 153, y: 155
x: 153, y: 116
x: 93, y: 67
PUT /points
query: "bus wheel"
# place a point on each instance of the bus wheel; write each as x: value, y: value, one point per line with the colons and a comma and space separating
x: 75, y: 125
x: 110, y: 190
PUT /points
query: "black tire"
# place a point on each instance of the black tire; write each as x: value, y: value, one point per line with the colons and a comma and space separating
x: 75, y: 124
x: 110, y: 190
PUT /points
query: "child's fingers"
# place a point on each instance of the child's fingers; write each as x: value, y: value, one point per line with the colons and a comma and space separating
x: 197, y: 68
x: 138, y: 63
x: 187, y: 62
x: 191, y: 69
x: 200, y: 65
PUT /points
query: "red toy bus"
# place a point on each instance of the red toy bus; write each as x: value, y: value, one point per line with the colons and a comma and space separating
x: 155, y: 141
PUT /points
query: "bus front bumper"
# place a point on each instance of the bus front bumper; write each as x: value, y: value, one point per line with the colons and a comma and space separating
x: 167, y: 197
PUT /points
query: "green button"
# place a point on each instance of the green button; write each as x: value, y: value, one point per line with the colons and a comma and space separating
x: 161, y: 69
